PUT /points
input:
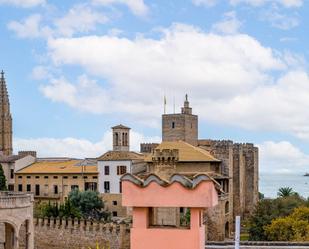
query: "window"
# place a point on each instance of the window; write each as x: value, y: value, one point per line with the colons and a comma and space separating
x: 12, y: 173
x: 94, y: 177
x: 74, y: 187
x: 20, y: 177
x: 11, y: 187
x: 74, y: 177
x: 85, y: 177
x: 115, y: 214
x: 227, y: 207
x: 37, y: 189
x: 55, y: 177
x: 106, y: 170
x: 173, y: 125
x: 115, y: 203
x: 121, y: 170
x: 45, y: 177
x: 106, y: 187
x: 20, y: 187
x: 93, y: 186
x: 28, y: 187
x: 120, y: 187
x: 116, y: 139
x: 65, y: 177
x: 28, y: 177
x: 55, y: 189
x: 37, y: 177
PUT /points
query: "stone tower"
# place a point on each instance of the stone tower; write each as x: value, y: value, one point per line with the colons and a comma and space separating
x: 121, y: 138
x: 181, y: 126
x: 5, y: 119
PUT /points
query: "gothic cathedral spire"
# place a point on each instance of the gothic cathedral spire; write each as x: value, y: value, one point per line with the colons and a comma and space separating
x: 5, y: 119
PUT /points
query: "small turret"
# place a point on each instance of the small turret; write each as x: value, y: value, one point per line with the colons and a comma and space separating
x: 186, y: 109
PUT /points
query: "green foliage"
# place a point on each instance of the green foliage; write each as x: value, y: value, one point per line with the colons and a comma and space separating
x: 285, y: 192
x: 2, y: 180
x: 261, y: 196
x: 89, y: 203
x: 294, y: 227
x: 270, y: 209
x: 185, y: 218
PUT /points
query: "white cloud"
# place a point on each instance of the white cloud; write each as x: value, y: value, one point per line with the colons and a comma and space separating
x: 284, y: 3
x: 138, y: 71
x: 229, y: 78
x: 77, y: 148
x: 282, y: 157
x: 85, y: 95
x: 138, y: 7
x: 279, y: 20
x: 29, y: 28
x: 79, y: 19
x: 207, y: 3
x: 229, y: 25
x: 40, y: 73
x: 23, y: 3
x: 256, y: 3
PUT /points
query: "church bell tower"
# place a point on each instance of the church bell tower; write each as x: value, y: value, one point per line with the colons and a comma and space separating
x: 121, y: 138
x: 5, y: 119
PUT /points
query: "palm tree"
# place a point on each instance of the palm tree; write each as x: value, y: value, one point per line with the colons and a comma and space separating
x: 285, y: 192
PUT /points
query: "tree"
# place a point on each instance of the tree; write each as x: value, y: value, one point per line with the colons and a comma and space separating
x: 294, y: 227
x: 2, y: 180
x: 285, y: 192
x: 89, y: 203
x: 268, y: 210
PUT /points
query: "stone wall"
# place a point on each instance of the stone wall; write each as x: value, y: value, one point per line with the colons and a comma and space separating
x: 80, y: 234
x: 177, y: 127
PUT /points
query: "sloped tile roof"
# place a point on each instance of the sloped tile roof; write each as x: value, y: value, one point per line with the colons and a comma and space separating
x: 186, y: 152
x: 58, y: 167
x: 120, y: 156
x: 120, y: 126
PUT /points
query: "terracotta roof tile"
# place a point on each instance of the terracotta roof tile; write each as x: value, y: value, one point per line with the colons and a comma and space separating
x: 121, y: 155
x: 186, y: 152
x: 58, y: 167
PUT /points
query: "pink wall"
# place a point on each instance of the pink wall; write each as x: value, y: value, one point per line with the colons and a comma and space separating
x: 156, y: 238
x: 174, y: 195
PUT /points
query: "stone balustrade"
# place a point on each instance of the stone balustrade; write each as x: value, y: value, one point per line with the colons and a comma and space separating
x: 10, y: 200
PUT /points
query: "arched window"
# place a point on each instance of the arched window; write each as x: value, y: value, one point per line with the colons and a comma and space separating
x: 227, y: 229
x: 126, y: 139
x: 123, y: 140
x: 116, y: 139
x: 227, y: 207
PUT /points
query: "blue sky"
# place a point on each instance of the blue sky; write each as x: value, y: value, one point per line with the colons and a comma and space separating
x: 76, y: 68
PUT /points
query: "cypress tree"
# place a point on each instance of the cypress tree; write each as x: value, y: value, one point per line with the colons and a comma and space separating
x: 2, y: 180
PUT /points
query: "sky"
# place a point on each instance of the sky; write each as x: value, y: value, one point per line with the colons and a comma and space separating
x: 76, y: 68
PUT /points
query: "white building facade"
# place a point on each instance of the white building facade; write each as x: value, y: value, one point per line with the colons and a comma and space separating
x: 110, y: 173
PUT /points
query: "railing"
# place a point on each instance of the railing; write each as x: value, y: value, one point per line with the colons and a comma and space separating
x: 15, y: 200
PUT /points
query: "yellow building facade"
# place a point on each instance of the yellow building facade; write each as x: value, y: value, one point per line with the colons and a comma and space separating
x: 53, y: 180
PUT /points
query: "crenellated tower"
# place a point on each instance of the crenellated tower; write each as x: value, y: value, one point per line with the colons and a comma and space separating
x: 5, y: 119
x: 181, y: 126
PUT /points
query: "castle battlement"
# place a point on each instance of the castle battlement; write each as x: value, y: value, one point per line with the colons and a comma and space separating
x: 165, y: 156
x: 81, y: 225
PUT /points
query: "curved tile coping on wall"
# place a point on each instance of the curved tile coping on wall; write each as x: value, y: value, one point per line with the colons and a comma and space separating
x: 183, y: 180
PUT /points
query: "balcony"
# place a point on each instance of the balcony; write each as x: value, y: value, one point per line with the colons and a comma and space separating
x: 15, y: 200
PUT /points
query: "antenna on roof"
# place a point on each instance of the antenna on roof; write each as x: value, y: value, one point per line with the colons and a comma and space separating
x: 164, y: 104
